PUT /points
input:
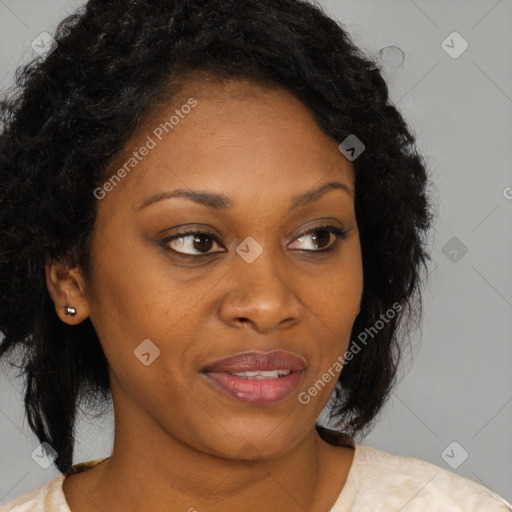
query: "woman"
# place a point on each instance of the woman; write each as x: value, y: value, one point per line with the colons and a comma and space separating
x: 204, y: 202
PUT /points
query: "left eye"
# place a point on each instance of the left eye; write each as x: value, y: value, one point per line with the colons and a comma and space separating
x: 321, y: 236
x: 203, y: 241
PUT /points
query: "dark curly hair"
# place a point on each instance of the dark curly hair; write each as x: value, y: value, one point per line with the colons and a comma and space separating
x: 71, y: 113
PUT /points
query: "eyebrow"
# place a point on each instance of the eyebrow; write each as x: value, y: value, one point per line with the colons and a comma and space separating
x: 222, y: 202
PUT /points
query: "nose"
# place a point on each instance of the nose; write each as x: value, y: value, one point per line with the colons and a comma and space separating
x: 262, y: 295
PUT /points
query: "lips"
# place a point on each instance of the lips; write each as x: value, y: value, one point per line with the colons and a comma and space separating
x: 258, y: 361
x: 257, y: 378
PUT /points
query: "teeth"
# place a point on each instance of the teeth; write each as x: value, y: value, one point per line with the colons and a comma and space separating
x: 267, y: 374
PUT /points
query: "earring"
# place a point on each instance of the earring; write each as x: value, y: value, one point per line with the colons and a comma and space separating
x: 71, y: 311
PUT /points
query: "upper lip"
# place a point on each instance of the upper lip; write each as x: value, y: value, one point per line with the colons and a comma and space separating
x: 254, y: 361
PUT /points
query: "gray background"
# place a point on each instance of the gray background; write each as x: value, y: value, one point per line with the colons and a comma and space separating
x: 459, y: 387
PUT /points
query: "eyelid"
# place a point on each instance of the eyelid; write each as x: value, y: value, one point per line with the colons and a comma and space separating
x: 187, y: 232
x: 339, y: 233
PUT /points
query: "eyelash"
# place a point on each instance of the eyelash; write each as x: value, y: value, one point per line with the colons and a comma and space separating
x: 340, y: 234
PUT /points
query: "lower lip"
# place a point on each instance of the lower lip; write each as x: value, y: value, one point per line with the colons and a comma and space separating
x: 256, y: 391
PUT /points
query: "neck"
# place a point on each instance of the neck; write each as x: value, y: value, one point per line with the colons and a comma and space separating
x: 150, y: 469
x: 195, y: 479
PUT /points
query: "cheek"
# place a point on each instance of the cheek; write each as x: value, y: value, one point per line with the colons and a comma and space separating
x: 335, y: 306
x: 134, y: 300
x: 337, y: 294
x: 120, y: 293
x: 124, y: 282
x: 351, y: 280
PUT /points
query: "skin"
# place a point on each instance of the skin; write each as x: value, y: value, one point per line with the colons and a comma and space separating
x: 180, y: 444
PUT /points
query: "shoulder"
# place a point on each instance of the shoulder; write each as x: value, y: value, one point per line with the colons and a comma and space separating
x: 380, y: 478
x: 49, y: 497
x: 46, y: 498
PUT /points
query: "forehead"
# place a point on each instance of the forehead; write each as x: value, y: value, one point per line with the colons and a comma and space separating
x: 238, y: 137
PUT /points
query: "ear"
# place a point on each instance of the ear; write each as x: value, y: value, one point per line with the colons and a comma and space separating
x: 66, y: 287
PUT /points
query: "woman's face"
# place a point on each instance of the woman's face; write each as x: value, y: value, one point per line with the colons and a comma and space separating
x: 258, y: 282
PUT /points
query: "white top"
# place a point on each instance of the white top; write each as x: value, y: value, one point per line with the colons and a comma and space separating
x: 377, y: 482
x: 380, y: 482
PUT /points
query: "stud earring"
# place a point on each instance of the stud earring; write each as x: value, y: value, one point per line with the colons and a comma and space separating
x: 71, y: 311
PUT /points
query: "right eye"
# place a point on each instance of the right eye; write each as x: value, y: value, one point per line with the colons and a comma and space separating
x: 191, y: 240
